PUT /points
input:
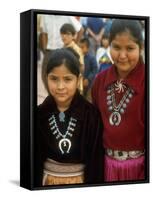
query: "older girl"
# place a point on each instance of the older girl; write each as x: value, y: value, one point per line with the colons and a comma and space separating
x: 118, y: 93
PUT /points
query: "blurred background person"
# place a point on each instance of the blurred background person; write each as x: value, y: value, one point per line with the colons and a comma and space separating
x: 103, y: 56
x: 95, y: 30
x: 90, y: 70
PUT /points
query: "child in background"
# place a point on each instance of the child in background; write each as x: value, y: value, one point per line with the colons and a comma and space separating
x: 90, y: 67
x: 118, y: 92
x: 103, y: 56
x: 68, y: 141
x: 68, y: 35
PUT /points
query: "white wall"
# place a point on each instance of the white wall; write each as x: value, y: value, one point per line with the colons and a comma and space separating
x: 9, y: 99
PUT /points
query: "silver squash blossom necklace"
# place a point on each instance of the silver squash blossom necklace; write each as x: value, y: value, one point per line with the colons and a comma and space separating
x: 116, y: 110
x: 64, y: 143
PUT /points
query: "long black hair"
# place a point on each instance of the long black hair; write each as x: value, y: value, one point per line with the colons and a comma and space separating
x: 127, y: 25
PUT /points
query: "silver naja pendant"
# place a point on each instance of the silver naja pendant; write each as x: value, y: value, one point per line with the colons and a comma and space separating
x: 66, y: 143
x: 115, y: 119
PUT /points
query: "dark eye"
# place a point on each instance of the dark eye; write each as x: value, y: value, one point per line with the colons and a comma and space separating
x: 53, y: 78
x: 67, y: 79
x: 116, y: 47
x: 130, y: 48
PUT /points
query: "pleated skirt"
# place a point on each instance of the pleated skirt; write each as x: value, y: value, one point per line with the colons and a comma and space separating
x: 131, y: 169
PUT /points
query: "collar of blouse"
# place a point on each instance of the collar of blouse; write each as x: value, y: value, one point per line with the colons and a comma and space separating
x: 75, y: 110
x: 133, y: 80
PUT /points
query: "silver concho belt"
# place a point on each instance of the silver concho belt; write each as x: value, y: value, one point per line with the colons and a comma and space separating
x: 124, y: 155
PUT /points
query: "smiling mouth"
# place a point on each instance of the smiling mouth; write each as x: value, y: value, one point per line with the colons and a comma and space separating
x: 60, y: 94
x: 121, y: 62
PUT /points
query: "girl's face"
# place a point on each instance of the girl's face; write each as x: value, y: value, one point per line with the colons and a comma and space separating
x: 62, y: 85
x: 67, y: 38
x: 125, y: 52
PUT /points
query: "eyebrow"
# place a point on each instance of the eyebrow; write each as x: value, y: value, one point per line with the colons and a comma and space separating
x: 118, y: 45
x: 54, y: 75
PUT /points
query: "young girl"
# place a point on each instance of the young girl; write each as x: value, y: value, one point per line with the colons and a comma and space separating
x: 68, y: 141
x: 118, y: 92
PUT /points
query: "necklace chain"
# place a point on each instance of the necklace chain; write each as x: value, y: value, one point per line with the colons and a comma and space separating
x: 54, y: 126
x: 118, y: 107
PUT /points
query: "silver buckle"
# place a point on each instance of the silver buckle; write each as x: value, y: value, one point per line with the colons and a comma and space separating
x: 120, y: 155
